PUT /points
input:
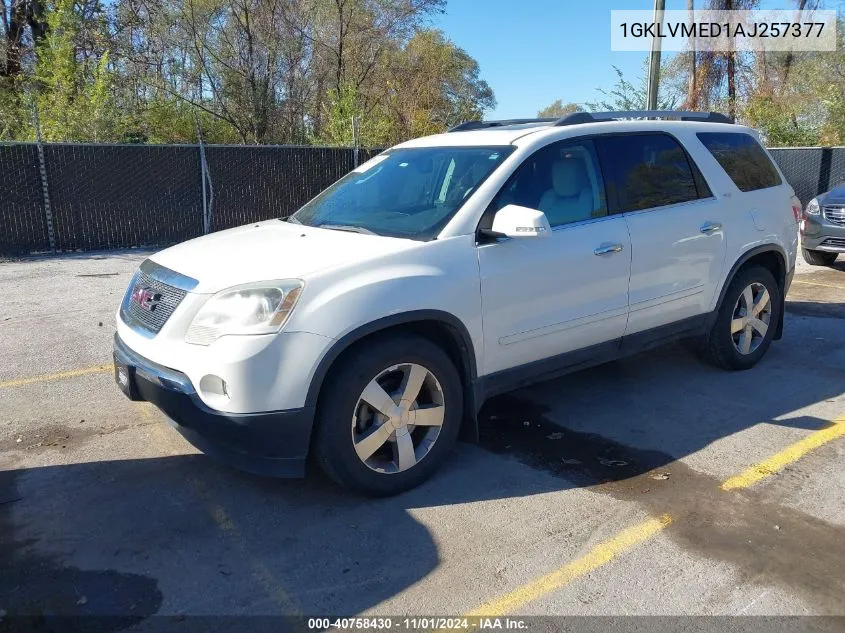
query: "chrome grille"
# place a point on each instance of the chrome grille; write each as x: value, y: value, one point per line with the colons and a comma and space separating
x: 834, y: 242
x: 164, y: 299
x: 835, y: 214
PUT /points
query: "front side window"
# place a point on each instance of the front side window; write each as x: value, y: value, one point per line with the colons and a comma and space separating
x: 649, y: 170
x: 405, y: 192
x: 563, y: 180
x: 742, y: 158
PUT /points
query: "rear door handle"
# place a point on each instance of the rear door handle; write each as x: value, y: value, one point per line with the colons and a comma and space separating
x: 607, y: 249
x: 710, y: 227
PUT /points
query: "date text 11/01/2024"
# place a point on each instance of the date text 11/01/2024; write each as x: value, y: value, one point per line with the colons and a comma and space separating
x: 417, y: 623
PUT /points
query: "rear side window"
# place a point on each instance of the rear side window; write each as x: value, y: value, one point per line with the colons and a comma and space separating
x: 742, y: 158
x: 649, y: 170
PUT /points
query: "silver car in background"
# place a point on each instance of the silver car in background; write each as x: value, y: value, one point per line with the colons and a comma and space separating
x: 823, y: 227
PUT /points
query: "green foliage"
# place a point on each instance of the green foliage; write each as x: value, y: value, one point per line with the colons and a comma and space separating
x: 242, y: 71
x: 625, y: 95
x: 781, y: 122
x: 74, y: 96
x: 428, y: 86
x: 558, y: 109
x: 13, y: 111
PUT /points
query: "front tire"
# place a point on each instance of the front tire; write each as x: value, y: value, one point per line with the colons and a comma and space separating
x: 746, y: 322
x: 818, y: 258
x: 388, y: 416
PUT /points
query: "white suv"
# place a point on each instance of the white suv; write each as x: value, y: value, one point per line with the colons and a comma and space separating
x: 367, y: 329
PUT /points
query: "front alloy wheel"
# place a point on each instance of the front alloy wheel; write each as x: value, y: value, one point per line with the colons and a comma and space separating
x: 398, y: 418
x: 388, y: 414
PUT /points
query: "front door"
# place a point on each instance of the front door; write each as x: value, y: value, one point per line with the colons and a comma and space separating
x: 545, y: 296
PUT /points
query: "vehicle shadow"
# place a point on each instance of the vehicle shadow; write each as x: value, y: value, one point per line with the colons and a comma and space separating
x: 184, y: 535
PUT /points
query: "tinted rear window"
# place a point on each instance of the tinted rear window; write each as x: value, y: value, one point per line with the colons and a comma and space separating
x: 649, y: 170
x: 742, y: 158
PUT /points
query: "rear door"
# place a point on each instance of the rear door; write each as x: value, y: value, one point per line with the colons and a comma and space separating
x: 678, y: 228
x: 758, y: 189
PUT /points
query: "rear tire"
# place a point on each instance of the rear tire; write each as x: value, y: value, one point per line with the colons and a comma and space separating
x: 746, y: 322
x: 818, y: 258
x: 375, y: 453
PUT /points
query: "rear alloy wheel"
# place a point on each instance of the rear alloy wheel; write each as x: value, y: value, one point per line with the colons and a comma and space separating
x: 388, y: 416
x: 746, y: 321
x: 818, y: 258
x: 751, y: 319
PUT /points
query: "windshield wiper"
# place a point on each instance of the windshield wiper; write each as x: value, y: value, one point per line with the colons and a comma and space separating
x: 346, y: 227
x: 292, y: 220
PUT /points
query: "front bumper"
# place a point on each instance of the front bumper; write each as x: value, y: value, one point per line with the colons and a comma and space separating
x: 819, y: 234
x: 272, y: 443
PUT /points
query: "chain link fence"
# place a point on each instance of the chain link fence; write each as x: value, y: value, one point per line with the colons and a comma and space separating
x: 811, y: 170
x: 87, y: 196
x: 252, y: 183
x: 104, y: 196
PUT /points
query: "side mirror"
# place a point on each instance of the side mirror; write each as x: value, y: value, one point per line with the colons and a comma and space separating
x: 513, y: 220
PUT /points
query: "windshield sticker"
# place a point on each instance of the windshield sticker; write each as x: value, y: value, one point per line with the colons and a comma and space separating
x: 375, y: 160
x: 493, y: 156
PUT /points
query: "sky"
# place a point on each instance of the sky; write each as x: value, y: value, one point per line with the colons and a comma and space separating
x: 533, y: 52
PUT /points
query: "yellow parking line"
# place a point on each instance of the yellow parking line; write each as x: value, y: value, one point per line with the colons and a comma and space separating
x: 260, y: 572
x: 600, y: 555
x: 628, y: 539
x: 790, y: 454
x: 816, y: 283
x: 73, y: 373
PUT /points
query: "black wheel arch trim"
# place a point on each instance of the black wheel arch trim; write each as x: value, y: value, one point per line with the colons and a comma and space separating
x: 459, y: 333
x: 743, y: 259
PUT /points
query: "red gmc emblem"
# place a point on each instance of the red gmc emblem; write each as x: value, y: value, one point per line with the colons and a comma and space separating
x: 146, y: 298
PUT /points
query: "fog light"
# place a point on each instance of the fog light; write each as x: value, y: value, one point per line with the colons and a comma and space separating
x: 212, y: 384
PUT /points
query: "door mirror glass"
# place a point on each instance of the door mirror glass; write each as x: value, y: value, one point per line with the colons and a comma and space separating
x: 513, y: 220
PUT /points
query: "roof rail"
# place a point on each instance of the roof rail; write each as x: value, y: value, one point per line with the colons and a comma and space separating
x: 481, y: 125
x: 683, y: 115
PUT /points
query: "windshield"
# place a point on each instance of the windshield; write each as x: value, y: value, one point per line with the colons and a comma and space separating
x: 410, y: 192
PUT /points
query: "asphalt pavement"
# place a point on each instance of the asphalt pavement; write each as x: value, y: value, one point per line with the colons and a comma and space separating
x: 655, y: 485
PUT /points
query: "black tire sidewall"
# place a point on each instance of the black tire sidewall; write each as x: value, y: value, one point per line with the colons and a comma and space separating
x: 721, y: 337
x: 818, y: 258
x: 334, y: 448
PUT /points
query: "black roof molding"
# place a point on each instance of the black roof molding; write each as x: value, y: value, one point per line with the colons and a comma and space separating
x: 467, y: 126
x: 577, y: 118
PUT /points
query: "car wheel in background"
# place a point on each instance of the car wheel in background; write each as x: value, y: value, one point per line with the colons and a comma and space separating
x: 818, y: 258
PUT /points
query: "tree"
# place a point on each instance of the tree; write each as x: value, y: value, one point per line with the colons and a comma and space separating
x: 422, y: 88
x: 627, y: 96
x: 73, y: 86
x: 558, y: 109
x: 17, y: 46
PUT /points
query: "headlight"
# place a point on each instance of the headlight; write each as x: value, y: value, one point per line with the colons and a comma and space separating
x: 812, y: 207
x: 260, y: 308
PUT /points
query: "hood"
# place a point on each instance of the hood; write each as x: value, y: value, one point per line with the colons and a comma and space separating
x: 271, y: 250
x: 835, y: 195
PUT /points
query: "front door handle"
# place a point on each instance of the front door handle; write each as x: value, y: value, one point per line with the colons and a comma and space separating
x: 607, y: 249
x: 710, y: 227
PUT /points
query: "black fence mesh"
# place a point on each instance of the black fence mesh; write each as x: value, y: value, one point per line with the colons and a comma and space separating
x: 23, y: 222
x: 837, y: 169
x: 116, y: 196
x: 259, y: 183
x: 801, y: 167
